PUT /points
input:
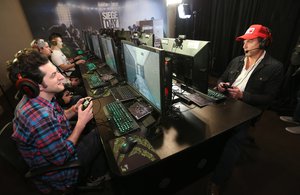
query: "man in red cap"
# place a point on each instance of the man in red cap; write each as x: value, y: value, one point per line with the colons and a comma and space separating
x: 253, y: 78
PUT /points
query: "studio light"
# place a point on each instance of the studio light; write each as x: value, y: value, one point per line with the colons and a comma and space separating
x: 184, y: 11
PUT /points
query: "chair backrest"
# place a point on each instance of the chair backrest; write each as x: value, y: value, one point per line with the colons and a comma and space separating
x: 9, y: 150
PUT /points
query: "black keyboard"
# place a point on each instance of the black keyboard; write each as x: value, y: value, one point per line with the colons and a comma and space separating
x: 95, y: 81
x: 123, y: 93
x: 199, y: 99
x: 121, y: 119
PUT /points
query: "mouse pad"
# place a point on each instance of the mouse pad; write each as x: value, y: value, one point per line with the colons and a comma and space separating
x: 142, y: 154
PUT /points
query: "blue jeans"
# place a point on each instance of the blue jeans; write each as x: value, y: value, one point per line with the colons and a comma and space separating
x: 231, y: 154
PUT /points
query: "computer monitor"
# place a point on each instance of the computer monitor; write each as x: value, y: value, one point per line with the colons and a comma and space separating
x: 96, y: 46
x: 190, y: 61
x: 147, y: 39
x: 146, y: 73
x: 87, y: 40
x: 109, y: 53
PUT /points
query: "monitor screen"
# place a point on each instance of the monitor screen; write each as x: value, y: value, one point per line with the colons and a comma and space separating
x: 147, y: 39
x: 145, y: 72
x: 87, y: 40
x: 96, y: 46
x: 109, y: 53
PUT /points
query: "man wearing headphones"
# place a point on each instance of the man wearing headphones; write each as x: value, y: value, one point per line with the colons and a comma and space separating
x: 43, y: 47
x: 42, y: 131
x: 253, y: 78
x: 58, y: 57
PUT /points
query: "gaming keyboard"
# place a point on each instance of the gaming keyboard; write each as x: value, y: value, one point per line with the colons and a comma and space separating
x: 94, y: 81
x: 120, y: 118
x: 91, y: 66
x: 215, y: 95
x: 198, y: 99
x: 123, y: 93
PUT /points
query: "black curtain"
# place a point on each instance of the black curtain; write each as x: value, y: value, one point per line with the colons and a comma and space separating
x: 221, y: 21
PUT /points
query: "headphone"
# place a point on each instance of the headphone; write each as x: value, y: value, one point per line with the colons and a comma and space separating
x: 266, y: 42
x: 27, y: 86
x: 54, y: 43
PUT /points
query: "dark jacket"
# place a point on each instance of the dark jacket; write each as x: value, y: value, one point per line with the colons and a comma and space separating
x: 263, y: 84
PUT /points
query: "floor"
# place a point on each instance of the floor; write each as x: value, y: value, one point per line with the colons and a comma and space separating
x: 271, y: 167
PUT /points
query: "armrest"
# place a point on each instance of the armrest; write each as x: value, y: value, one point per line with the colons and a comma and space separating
x: 41, y: 170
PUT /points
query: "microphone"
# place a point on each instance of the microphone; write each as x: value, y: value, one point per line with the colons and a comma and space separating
x: 251, y: 50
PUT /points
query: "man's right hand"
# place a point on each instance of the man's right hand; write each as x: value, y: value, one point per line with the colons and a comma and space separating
x: 84, y: 116
x: 80, y: 61
x: 221, y: 86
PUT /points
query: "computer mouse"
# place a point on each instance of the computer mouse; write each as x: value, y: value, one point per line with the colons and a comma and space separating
x: 128, y: 145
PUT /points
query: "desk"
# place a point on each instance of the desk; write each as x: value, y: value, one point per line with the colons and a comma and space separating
x: 188, y: 146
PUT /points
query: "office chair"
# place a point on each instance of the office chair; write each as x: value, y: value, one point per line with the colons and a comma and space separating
x: 10, y: 153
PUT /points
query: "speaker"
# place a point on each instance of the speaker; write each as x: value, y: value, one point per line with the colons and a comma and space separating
x: 266, y: 42
x: 27, y: 86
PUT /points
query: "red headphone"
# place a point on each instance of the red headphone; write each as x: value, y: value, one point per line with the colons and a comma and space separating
x: 27, y: 86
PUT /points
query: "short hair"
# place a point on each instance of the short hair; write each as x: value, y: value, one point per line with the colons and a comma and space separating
x: 26, y: 64
x: 53, y: 36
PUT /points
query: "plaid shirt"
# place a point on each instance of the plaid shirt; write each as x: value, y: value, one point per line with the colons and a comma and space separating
x: 41, y: 130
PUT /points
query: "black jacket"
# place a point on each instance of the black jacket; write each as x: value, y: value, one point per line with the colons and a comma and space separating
x: 263, y: 84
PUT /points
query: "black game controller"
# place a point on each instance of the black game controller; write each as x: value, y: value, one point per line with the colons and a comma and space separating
x: 226, y: 86
x: 86, y: 103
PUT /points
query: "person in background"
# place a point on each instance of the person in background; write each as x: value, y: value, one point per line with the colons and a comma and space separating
x: 42, y: 130
x: 58, y: 57
x: 43, y: 47
x: 295, y: 119
x: 253, y: 78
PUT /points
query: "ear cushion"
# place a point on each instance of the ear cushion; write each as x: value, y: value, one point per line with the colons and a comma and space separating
x: 54, y: 43
x: 28, y: 87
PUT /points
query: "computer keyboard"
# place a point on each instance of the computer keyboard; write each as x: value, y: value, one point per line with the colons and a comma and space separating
x: 91, y: 66
x: 123, y: 93
x: 215, y: 95
x: 94, y: 81
x: 120, y: 118
x: 198, y: 99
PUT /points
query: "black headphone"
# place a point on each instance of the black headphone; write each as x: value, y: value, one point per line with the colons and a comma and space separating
x: 266, y: 42
x: 54, y: 43
x: 27, y: 86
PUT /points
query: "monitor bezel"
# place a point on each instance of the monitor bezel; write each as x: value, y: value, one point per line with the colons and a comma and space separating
x: 111, y: 41
x: 162, y: 75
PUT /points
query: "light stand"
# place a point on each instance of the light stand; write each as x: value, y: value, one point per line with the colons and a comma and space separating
x: 194, y: 24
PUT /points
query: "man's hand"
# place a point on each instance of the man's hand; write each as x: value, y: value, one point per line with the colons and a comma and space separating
x: 221, y: 86
x: 235, y: 93
x: 80, y: 61
x: 84, y: 116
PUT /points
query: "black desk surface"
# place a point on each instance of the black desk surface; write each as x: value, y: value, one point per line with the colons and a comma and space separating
x: 192, y: 127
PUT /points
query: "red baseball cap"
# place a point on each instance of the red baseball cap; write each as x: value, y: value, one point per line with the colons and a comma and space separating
x: 254, y: 31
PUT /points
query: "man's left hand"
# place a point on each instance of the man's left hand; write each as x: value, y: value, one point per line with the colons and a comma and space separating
x: 235, y: 93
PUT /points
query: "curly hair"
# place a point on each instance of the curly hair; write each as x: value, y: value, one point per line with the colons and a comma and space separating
x: 26, y: 64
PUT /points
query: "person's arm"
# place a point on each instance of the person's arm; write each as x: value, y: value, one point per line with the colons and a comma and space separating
x: 84, y: 116
x: 54, y: 140
x: 57, y: 59
x: 73, y: 110
x: 270, y: 87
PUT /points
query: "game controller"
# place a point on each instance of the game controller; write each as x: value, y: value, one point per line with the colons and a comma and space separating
x: 86, y: 103
x: 226, y: 86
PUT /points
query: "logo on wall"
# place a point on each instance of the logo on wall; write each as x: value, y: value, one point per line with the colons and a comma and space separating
x: 110, y: 19
x: 109, y: 14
